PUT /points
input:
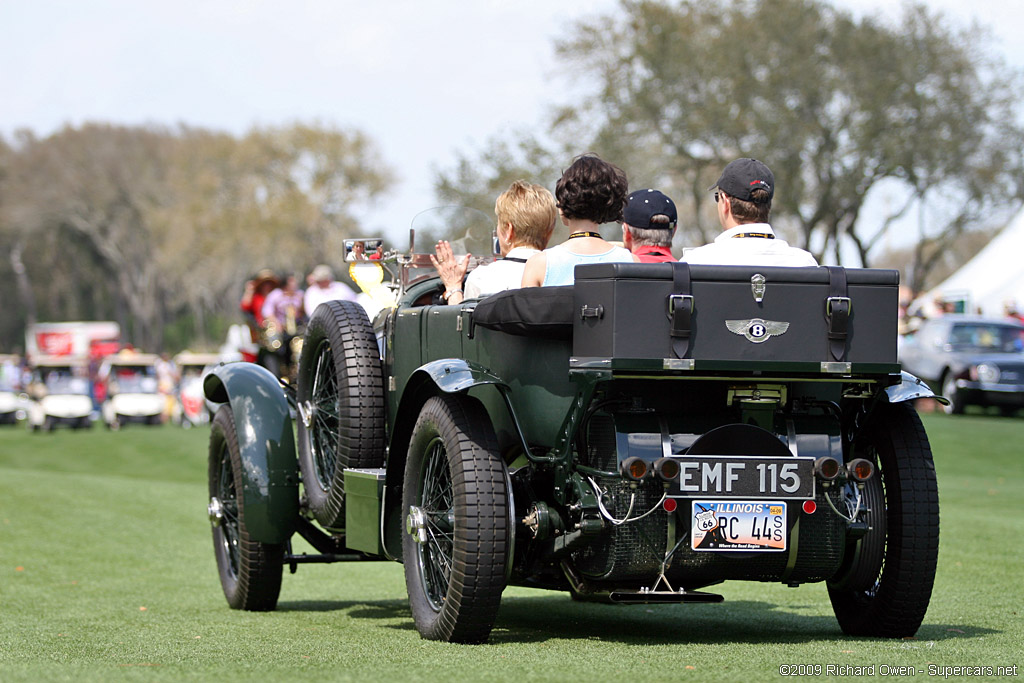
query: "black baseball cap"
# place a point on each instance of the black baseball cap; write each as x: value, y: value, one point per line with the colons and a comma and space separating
x: 743, y: 176
x: 643, y: 205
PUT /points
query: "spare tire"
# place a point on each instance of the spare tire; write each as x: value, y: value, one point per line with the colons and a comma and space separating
x: 340, y: 397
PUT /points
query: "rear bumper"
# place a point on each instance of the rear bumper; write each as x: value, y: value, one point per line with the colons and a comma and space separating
x: 981, y: 393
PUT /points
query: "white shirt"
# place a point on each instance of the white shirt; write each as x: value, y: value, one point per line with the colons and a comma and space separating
x: 736, y: 247
x: 503, y: 274
x: 316, y: 295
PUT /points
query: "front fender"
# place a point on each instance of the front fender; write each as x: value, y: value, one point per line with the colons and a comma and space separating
x: 911, y: 388
x: 270, y: 478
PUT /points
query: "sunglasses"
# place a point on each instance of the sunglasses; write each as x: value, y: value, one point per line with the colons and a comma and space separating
x: 716, y: 198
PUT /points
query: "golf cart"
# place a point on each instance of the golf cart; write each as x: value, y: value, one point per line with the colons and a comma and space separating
x: 132, y: 390
x: 59, y: 394
x: 191, y: 407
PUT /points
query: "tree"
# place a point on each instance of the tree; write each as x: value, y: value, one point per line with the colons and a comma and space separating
x: 151, y: 226
x: 838, y: 107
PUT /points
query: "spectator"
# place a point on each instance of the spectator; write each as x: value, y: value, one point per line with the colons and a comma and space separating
x: 648, y: 225
x: 589, y: 193
x: 254, y: 296
x: 526, y: 218
x: 285, y: 304
x: 1011, y: 310
x: 743, y: 198
x: 323, y: 288
x: 358, y: 252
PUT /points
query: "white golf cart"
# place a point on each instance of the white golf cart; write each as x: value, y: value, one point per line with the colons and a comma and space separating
x: 59, y: 394
x: 132, y: 390
x: 12, y: 402
x: 191, y: 407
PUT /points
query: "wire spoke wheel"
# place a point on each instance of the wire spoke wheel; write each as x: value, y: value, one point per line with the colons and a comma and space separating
x: 250, y: 571
x: 340, y: 398
x: 456, y: 498
x: 324, y: 405
x: 435, y: 555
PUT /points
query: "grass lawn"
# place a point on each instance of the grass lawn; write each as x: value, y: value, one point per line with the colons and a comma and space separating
x: 107, y: 573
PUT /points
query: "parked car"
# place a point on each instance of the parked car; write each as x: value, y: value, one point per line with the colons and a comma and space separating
x: 191, y: 407
x: 132, y: 390
x: 59, y: 393
x: 649, y: 432
x: 971, y: 360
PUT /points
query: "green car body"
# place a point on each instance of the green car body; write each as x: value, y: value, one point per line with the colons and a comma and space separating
x: 568, y: 432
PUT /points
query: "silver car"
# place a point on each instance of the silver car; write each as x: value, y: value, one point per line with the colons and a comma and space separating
x: 971, y: 360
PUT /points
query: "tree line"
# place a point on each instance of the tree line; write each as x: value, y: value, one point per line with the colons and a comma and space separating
x: 157, y: 227
x: 840, y: 108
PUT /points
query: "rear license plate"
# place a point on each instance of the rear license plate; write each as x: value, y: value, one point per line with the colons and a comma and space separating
x: 731, y: 525
x: 755, y: 476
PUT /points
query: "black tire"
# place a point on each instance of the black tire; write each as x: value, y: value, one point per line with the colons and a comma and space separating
x: 956, y: 402
x: 455, y: 490
x: 250, y: 571
x: 886, y: 592
x: 341, y: 406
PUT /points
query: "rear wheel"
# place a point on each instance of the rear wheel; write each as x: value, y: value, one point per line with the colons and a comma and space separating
x: 455, y: 497
x: 341, y: 405
x: 250, y: 571
x: 885, y: 589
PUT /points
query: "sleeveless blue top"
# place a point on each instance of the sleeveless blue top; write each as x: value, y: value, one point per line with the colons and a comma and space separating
x: 561, y: 263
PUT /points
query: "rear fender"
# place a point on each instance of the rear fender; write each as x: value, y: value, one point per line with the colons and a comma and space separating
x: 449, y: 376
x: 910, y: 388
x: 270, y: 486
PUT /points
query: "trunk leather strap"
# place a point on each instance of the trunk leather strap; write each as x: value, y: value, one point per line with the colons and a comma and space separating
x: 680, y: 309
x: 838, y: 308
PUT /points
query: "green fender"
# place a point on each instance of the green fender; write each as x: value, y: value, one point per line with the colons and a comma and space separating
x: 270, y: 486
x: 448, y: 375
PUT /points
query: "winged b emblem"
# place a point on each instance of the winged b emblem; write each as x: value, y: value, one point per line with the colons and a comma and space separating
x: 757, y: 330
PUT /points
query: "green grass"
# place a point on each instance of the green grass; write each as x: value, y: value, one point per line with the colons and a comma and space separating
x: 107, y: 573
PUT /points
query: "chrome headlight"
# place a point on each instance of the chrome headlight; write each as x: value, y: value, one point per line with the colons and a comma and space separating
x: 987, y: 373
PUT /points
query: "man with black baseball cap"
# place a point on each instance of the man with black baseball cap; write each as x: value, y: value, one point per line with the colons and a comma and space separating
x: 648, y: 224
x: 743, y: 198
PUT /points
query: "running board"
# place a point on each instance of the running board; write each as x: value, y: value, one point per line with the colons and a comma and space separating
x: 644, y: 597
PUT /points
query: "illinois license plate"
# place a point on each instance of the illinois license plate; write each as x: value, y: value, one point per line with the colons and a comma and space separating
x: 731, y: 525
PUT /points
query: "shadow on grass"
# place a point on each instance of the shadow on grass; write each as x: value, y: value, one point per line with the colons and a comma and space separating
x: 539, y: 619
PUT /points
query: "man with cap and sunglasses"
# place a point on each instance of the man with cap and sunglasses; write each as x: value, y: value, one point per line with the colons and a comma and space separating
x: 648, y: 224
x: 743, y: 198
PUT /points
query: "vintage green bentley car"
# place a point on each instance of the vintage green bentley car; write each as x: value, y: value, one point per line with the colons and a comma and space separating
x: 649, y: 432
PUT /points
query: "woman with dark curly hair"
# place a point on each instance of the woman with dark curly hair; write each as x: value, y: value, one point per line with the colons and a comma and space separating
x: 589, y: 193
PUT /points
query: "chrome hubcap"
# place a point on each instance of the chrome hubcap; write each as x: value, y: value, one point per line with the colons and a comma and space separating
x: 215, y: 511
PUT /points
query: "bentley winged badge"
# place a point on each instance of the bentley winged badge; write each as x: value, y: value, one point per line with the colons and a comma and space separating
x: 757, y: 330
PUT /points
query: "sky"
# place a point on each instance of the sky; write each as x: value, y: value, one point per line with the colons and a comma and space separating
x: 426, y: 79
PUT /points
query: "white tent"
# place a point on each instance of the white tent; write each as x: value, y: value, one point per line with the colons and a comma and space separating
x: 994, y: 276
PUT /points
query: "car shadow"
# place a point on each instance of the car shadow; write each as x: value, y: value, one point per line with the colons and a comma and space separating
x: 543, y: 618
x: 538, y: 619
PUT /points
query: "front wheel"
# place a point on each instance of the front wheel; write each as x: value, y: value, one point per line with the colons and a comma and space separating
x: 250, y: 571
x: 455, y: 499
x: 885, y: 590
